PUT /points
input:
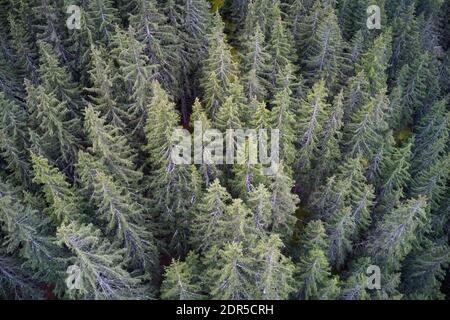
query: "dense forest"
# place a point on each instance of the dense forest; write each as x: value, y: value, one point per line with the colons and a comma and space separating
x: 92, y: 205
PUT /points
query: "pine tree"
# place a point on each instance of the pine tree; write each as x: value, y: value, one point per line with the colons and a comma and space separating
x: 135, y: 72
x: 170, y: 184
x: 103, y: 16
x: 282, y: 117
x: 179, y: 282
x: 393, y: 238
x: 279, y: 44
x: 210, y: 210
x: 284, y: 203
x: 124, y: 218
x: 57, y: 79
x: 275, y: 271
x: 313, y: 113
x: 432, y: 135
x: 101, y: 275
x: 112, y: 148
x: 101, y: 92
x: 59, y: 195
x: 56, y: 130
x: 232, y: 277
x: 27, y: 236
x: 424, y: 271
x: 219, y: 68
x: 324, y: 57
x: 261, y: 208
x: 255, y: 66
x: 14, y: 139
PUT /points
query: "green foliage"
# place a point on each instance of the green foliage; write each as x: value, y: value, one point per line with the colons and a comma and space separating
x: 93, y: 204
x: 111, y: 147
x: 62, y: 200
x: 13, y: 137
x: 219, y: 68
x: 179, y: 282
x: 101, y: 274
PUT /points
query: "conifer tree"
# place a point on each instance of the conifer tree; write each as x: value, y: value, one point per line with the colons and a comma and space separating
x: 356, y: 95
x: 229, y: 116
x: 424, y: 270
x: 313, y: 270
x: 102, y: 90
x: 395, y: 170
x: 324, y: 58
x: 101, y: 275
x: 219, y: 68
x: 14, y: 139
x: 232, y: 276
x: 236, y: 225
x: 282, y: 117
x: 418, y: 82
x: 375, y: 61
x: 255, y: 66
x: 27, y: 236
x: 170, y: 184
x: 315, y: 280
x: 135, y: 72
x: 62, y: 200
x: 49, y: 26
x: 210, y: 210
x: 406, y: 37
x: 158, y: 35
x: 22, y: 44
x: 431, y: 182
x: 208, y: 171
x: 275, y: 271
x: 179, y: 282
x: 56, y: 130
x: 279, y: 44
x: 361, y: 135
x: 432, y: 134
x: 355, y: 286
x: 57, y: 79
x: 112, y: 148
x: 283, y: 202
x: 393, y: 238
x: 103, y: 16
x: 15, y: 282
x: 124, y: 217
x: 261, y: 208
x: 328, y: 144
x: 313, y: 113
